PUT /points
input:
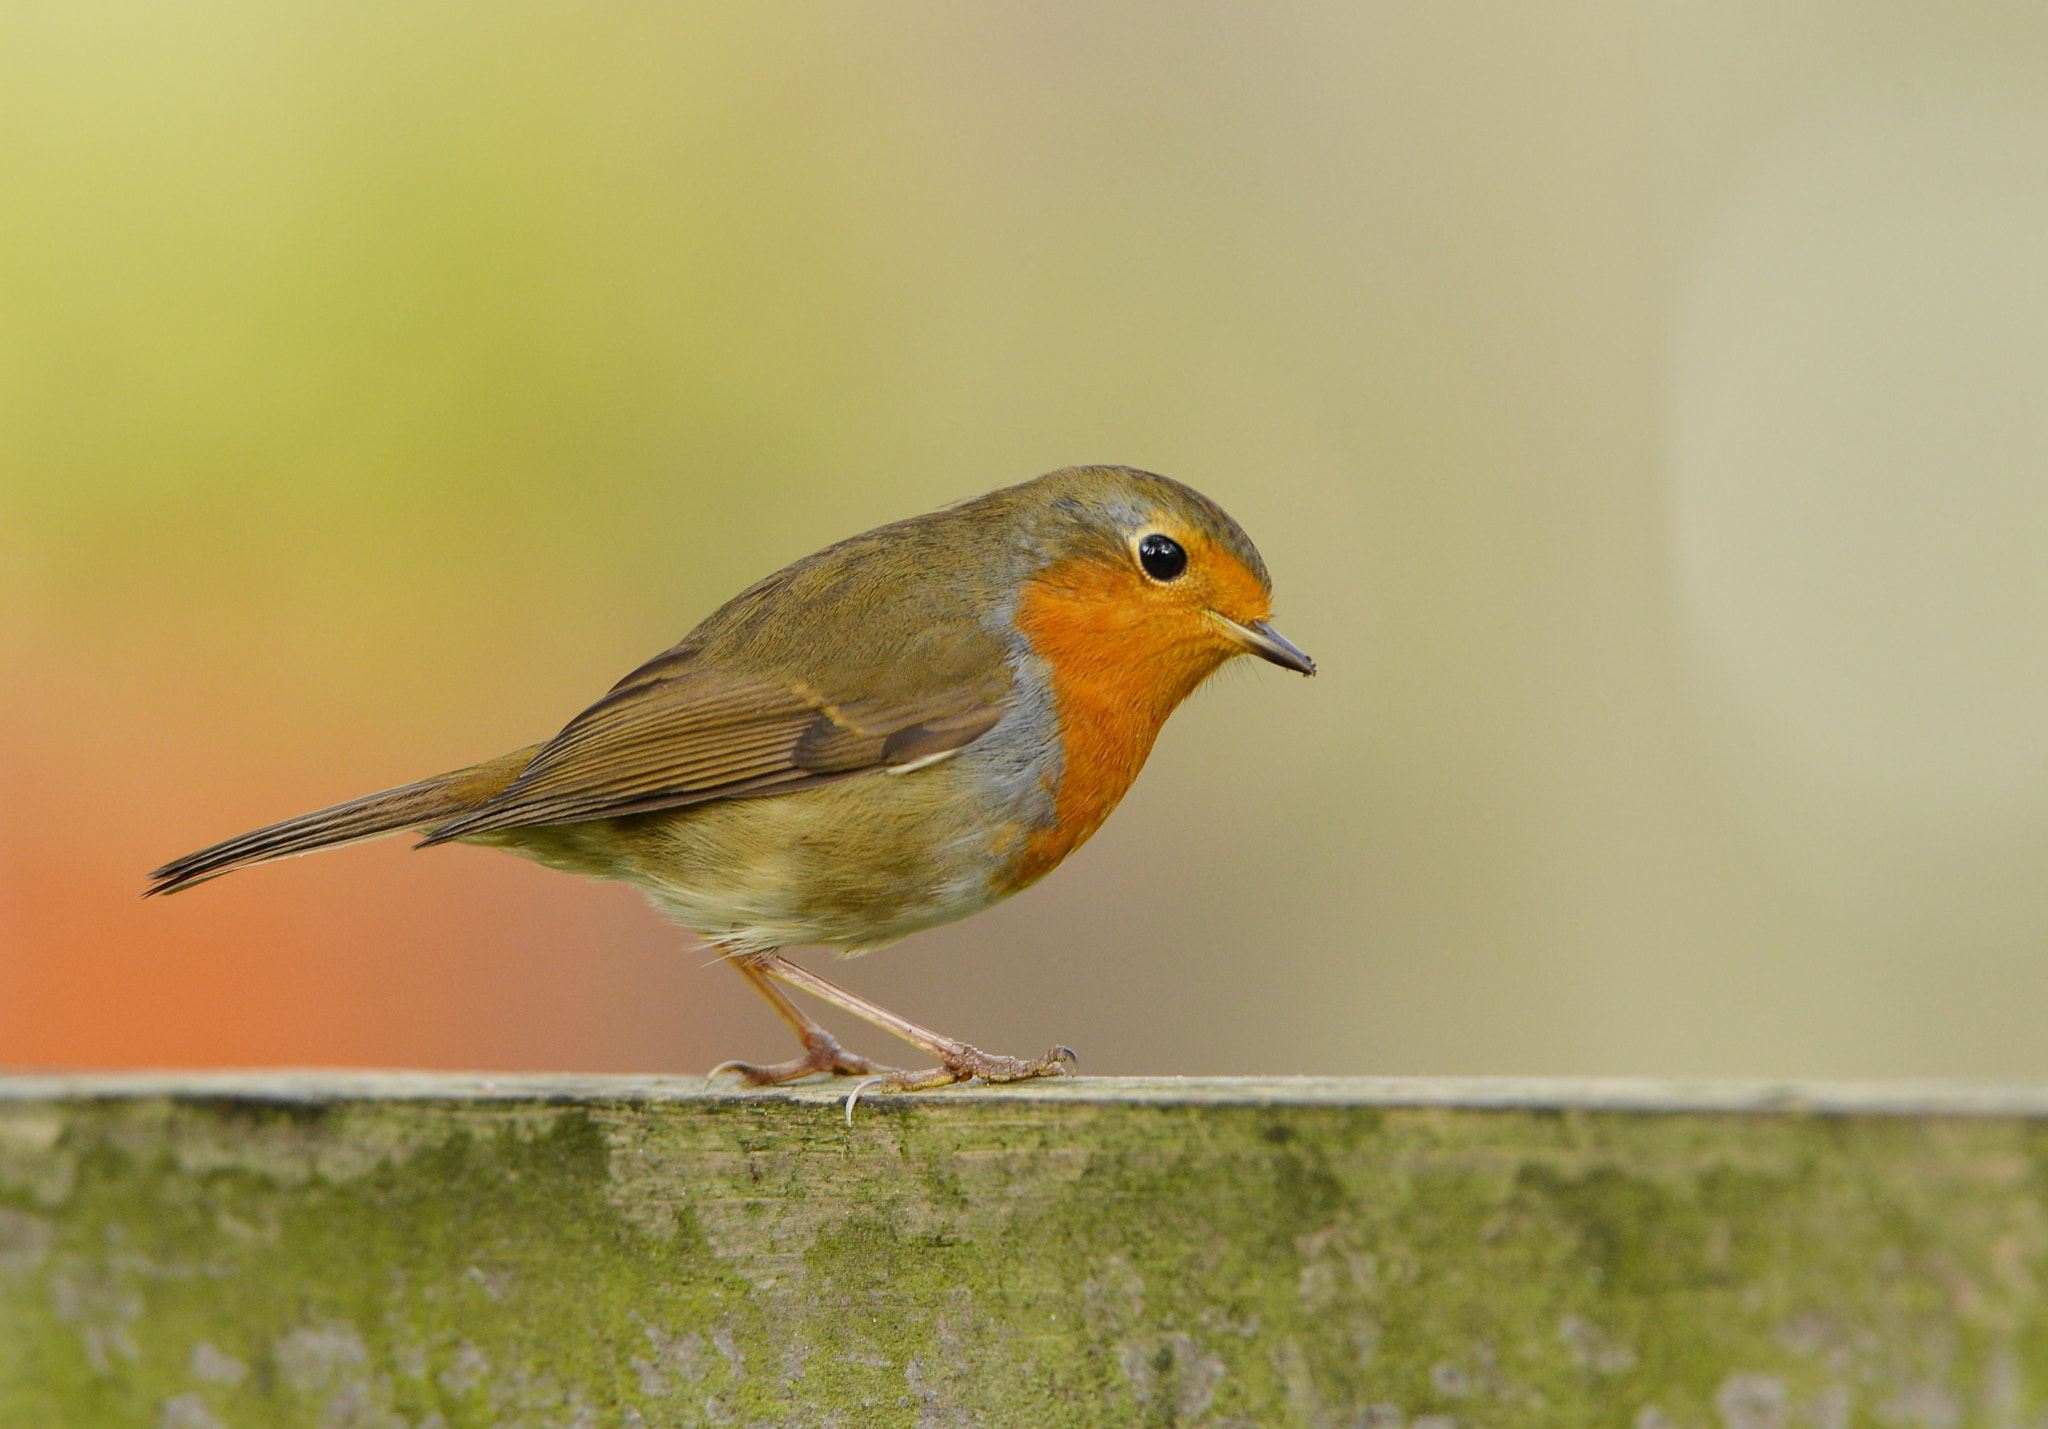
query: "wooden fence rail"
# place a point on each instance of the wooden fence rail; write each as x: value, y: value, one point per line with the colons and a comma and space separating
x: 429, y: 1251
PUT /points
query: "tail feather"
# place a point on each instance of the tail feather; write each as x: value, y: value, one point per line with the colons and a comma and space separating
x: 428, y: 802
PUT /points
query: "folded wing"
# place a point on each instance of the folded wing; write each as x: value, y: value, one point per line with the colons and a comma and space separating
x: 678, y: 732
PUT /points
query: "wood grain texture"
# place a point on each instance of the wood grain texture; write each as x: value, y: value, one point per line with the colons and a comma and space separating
x: 436, y: 1250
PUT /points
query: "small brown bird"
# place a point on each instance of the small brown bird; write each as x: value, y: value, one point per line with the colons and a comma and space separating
x: 893, y: 733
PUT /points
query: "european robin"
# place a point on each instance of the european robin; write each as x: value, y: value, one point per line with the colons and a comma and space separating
x: 888, y: 735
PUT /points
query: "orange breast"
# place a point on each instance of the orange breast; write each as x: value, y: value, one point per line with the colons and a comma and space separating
x: 1120, y: 661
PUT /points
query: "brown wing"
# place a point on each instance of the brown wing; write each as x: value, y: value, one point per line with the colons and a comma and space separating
x: 677, y: 731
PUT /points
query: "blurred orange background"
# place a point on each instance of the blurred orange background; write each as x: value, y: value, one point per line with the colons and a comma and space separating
x: 1639, y: 408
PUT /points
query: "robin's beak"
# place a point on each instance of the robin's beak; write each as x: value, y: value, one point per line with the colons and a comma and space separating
x: 1267, y: 643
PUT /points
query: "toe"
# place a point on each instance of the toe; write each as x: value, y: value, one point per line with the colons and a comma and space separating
x: 823, y: 1056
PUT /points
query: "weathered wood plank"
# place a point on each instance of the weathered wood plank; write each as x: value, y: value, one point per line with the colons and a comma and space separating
x: 426, y: 1250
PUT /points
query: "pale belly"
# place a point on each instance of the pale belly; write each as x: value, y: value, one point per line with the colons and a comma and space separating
x: 854, y: 865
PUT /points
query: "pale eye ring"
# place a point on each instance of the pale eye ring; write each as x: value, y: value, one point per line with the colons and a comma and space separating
x: 1162, y: 557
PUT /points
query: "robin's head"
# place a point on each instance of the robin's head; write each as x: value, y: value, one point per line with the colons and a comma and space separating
x: 1138, y: 567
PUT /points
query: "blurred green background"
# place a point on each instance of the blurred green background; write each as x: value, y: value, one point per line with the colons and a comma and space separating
x: 1641, y: 407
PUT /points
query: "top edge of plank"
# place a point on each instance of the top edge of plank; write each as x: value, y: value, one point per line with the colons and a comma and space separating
x: 1610, y: 1094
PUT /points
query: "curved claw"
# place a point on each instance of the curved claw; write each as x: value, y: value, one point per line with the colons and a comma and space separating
x: 732, y: 1064
x: 853, y: 1097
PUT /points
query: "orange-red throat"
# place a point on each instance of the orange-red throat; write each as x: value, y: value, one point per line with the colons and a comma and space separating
x: 1123, y: 653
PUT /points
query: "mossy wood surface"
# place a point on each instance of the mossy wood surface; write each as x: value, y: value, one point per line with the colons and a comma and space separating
x: 366, y: 1250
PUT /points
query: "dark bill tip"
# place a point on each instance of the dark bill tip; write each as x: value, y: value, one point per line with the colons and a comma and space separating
x: 1262, y: 640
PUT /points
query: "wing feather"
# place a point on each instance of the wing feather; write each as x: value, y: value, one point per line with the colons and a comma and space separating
x: 678, y: 731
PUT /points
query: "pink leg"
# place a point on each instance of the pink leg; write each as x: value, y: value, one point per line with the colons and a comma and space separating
x: 822, y: 1052
x: 958, y: 1062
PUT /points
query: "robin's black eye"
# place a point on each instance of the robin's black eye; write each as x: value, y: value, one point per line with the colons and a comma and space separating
x: 1162, y: 557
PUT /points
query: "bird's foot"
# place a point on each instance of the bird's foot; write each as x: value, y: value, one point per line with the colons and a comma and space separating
x: 962, y: 1063
x: 965, y: 1064
x: 822, y: 1053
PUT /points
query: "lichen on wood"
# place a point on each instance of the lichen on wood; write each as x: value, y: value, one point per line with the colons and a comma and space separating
x: 442, y: 1252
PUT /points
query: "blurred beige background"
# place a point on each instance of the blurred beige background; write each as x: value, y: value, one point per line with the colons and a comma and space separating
x: 1643, y: 409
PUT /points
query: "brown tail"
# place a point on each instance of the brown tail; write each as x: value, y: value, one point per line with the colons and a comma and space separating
x: 427, y: 802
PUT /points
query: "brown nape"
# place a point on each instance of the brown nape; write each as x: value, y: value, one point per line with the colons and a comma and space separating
x: 428, y: 802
